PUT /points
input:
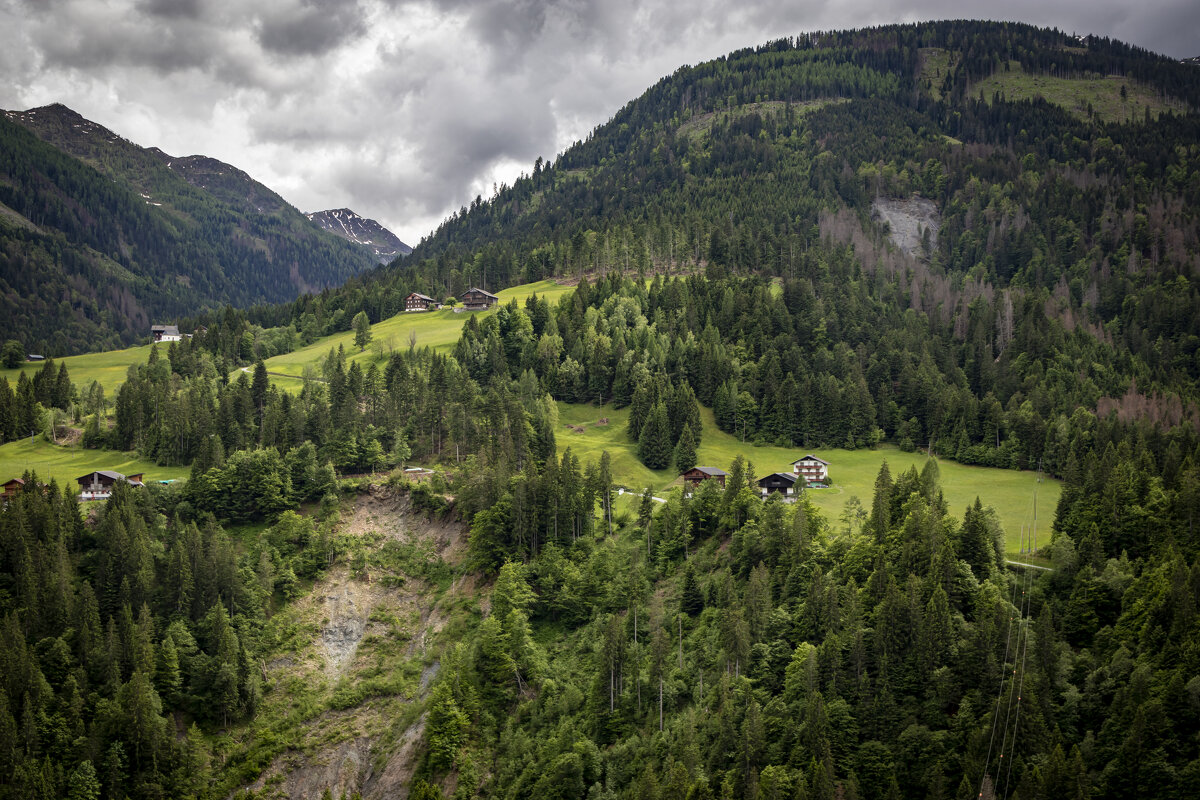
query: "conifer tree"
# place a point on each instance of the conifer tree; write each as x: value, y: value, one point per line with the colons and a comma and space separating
x: 690, y: 598
x: 362, y: 330
x: 654, y: 444
x: 447, y: 728
x: 685, y: 450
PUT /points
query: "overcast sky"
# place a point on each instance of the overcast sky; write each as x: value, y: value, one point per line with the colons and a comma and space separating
x: 404, y: 111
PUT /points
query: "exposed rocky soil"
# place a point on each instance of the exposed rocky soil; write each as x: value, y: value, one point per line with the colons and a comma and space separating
x: 347, y: 622
x: 907, y: 221
x: 362, y: 749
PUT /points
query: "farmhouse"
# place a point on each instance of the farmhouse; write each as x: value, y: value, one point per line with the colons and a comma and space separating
x: 98, y: 485
x: 696, y: 474
x: 782, y: 482
x: 811, y: 468
x: 165, y: 333
x: 419, y: 302
x: 477, y: 299
x: 12, y: 488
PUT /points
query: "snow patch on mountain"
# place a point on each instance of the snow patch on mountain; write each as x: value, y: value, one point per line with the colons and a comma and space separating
x: 366, y: 232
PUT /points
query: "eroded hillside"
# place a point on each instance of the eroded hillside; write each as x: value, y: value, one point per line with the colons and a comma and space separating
x: 354, y: 658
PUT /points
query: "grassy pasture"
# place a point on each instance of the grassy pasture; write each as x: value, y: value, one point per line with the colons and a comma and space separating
x: 1103, y: 93
x: 65, y: 464
x: 437, y: 329
x: 853, y: 472
x: 109, y: 367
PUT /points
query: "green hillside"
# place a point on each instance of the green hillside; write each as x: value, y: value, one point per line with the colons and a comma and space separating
x: 511, y: 627
x: 109, y: 367
x: 438, y: 330
x: 65, y: 464
x: 853, y: 472
x: 1109, y: 97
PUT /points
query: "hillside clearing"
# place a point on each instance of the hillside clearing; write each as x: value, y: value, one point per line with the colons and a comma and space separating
x: 108, y: 367
x: 853, y: 472
x: 1102, y: 94
x: 65, y: 464
x: 436, y: 329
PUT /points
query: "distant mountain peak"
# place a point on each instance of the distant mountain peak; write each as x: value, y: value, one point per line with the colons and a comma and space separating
x: 56, y: 115
x: 367, y: 232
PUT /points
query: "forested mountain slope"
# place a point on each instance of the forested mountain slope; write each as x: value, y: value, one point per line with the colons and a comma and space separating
x: 1063, y: 275
x: 712, y: 646
x: 101, y: 237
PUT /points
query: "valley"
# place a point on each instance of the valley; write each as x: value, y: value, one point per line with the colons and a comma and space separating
x: 408, y: 554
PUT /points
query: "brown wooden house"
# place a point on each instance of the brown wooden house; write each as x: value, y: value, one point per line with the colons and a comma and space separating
x: 694, y: 475
x: 98, y: 485
x: 477, y: 299
x: 12, y: 488
x: 419, y: 302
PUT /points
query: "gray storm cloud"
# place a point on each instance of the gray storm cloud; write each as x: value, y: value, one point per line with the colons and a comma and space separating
x: 404, y: 111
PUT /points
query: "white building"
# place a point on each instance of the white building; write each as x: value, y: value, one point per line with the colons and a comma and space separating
x: 811, y: 468
x: 165, y: 333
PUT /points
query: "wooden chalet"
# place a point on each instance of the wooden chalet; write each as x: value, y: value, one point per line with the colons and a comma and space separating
x: 477, y: 299
x: 811, y: 468
x: 783, y: 483
x: 695, y: 475
x: 165, y: 333
x: 419, y: 302
x: 12, y: 488
x: 98, y: 485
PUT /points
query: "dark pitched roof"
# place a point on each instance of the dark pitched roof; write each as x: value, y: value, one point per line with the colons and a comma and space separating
x: 14, y: 480
x: 481, y: 291
x: 420, y: 296
x: 108, y: 473
x: 167, y: 330
x: 712, y: 471
x: 811, y: 457
x: 115, y: 476
x: 787, y: 476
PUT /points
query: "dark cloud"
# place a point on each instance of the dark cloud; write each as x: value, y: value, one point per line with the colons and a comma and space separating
x: 405, y: 109
x: 173, y: 9
x: 310, y: 27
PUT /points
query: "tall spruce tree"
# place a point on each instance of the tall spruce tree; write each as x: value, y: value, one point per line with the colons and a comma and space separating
x: 685, y: 450
x: 654, y: 445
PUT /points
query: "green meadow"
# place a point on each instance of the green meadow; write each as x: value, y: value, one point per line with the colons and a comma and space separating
x: 109, y: 367
x: 65, y: 464
x: 1102, y: 93
x: 852, y: 472
x: 437, y: 329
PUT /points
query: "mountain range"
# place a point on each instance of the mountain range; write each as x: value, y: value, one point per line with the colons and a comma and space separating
x: 100, y: 237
